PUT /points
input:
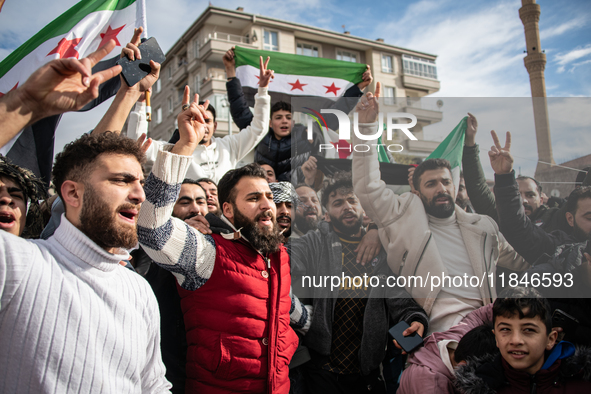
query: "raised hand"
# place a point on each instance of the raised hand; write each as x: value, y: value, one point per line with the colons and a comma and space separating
x: 230, y: 63
x: 144, y: 142
x: 310, y: 168
x: 64, y: 85
x: 191, y: 122
x: 132, y: 52
x: 471, y: 130
x: 368, y: 107
x: 266, y: 75
x: 500, y: 158
x: 367, y: 78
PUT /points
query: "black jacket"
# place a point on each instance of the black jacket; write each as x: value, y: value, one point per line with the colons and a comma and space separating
x: 319, y: 253
x: 529, y: 240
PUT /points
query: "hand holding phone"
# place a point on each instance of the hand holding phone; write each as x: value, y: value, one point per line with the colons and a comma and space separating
x: 408, y: 343
x: 135, y: 70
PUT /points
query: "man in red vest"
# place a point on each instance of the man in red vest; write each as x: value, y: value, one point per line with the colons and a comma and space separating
x: 234, y: 283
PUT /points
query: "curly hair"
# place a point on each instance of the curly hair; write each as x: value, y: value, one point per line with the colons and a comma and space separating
x: 34, y: 190
x: 341, y: 180
x: 78, y: 158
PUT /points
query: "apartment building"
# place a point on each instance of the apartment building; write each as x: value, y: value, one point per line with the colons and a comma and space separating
x: 196, y: 60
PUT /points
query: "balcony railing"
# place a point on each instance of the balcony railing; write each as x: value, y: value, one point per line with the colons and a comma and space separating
x: 227, y: 37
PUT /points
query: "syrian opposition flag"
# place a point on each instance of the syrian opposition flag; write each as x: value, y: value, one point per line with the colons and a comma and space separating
x: 296, y: 75
x: 76, y: 33
x: 452, y: 149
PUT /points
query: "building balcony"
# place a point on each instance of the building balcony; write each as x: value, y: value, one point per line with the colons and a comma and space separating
x: 217, y: 44
x: 212, y: 86
x: 426, y: 112
x: 426, y: 85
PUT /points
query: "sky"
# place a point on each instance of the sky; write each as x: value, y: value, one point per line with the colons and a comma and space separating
x: 479, y: 45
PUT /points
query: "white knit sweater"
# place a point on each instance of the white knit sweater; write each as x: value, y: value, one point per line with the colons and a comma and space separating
x: 73, y: 320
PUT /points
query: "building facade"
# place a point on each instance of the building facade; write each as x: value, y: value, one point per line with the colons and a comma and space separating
x: 196, y: 60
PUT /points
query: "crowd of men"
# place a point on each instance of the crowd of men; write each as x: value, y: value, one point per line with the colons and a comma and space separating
x: 195, y: 277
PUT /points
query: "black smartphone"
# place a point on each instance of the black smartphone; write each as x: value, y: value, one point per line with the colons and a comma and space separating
x: 562, y: 319
x: 135, y: 71
x: 408, y: 343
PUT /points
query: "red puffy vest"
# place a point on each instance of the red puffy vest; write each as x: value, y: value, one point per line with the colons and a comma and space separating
x: 238, y: 333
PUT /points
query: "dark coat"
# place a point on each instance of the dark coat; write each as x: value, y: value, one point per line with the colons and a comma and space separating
x: 319, y: 253
x: 491, y: 374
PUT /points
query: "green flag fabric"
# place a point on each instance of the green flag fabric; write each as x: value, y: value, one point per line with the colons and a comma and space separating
x: 452, y: 149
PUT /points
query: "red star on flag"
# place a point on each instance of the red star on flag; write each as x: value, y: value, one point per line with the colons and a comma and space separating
x: 15, y: 86
x: 343, y: 147
x: 332, y: 88
x: 111, y: 34
x: 66, y: 48
x: 297, y: 85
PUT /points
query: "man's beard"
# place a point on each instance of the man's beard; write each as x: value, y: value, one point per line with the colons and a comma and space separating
x: 264, y: 240
x: 440, y: 211
x: 287, y: 231
x: 579, y: 234
x: 462, y: 202
x: 99, y: 223
x: 342, y: 228
x: 305, y: 223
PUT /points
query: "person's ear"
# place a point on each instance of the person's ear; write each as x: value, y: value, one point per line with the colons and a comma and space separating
x: 326, y: 217
x: 228, y: 211
x: 551, y: 340
x: 570, y: 219
x: 72, y: 193
x: 215, y: 126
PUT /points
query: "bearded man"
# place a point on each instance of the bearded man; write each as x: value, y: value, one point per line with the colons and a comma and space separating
x: 72, y: 318
x: 235, y: 283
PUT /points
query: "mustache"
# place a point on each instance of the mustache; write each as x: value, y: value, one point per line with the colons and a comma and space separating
x: 266, y: 214
x: 127, y: 206
x: 284, y: 216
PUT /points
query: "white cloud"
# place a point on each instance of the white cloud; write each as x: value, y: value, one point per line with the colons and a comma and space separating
x: 563, y: 59
x: 562, y: 28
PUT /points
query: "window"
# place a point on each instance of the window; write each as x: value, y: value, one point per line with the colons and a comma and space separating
x: 270, y: 40
x: 389, y: 95
x: 197, y: 83
x: 170, y: 105
x: 159, y: 115
x: 347, y: 56
x: 196, y: 48
x: 387, y: 65
x: 307, y: 49
x: 419, y: 66
x: 158, y: 86
x: 170, y: 72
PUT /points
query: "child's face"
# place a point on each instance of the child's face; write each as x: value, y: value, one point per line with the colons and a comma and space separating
x: 522, y: 342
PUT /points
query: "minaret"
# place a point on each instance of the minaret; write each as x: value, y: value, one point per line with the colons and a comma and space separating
x: 535, y: 62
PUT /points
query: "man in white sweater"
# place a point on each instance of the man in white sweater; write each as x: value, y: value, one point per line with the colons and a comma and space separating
x: 72, y: 318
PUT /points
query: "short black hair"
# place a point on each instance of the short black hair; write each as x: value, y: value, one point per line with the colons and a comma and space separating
x: 210, y: 108
x: 476, y: 343
x: 525, y: 177
x: 78, y: 157
x: 189, y: 181
x: 226, y: 192
x: 578, y: 194
x: 428, y: 165
x: 514, y: 300
x: 341, y: 180
x: 207, y: 180
x: 280, y: 106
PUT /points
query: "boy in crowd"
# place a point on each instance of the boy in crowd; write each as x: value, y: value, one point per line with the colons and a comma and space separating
x: 530, y: 360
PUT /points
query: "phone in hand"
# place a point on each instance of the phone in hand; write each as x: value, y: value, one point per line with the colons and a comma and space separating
x: 408, y: 343
x: 134, y: 71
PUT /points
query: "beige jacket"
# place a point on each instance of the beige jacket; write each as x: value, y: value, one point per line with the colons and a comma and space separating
x: 404, y: 231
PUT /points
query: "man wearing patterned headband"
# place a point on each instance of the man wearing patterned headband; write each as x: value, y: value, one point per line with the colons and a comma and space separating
x: 285, y: 198
x: 20, y: 193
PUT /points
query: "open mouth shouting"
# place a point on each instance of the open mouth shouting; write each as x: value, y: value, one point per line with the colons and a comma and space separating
x: 284, y: 221
x: 128, y: 215
x: 7, y: 220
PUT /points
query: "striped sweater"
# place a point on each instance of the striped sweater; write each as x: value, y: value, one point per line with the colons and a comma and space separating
x: 176, y: 246
x: 73, y: 320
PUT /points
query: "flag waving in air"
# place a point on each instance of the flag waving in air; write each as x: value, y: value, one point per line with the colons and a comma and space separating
x: 76, y: 33
x: 452, y: 149
x: 296, y: 75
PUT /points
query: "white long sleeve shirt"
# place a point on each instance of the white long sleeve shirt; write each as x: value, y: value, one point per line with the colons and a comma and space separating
x: 73, y: 320
x: 223, y: 154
